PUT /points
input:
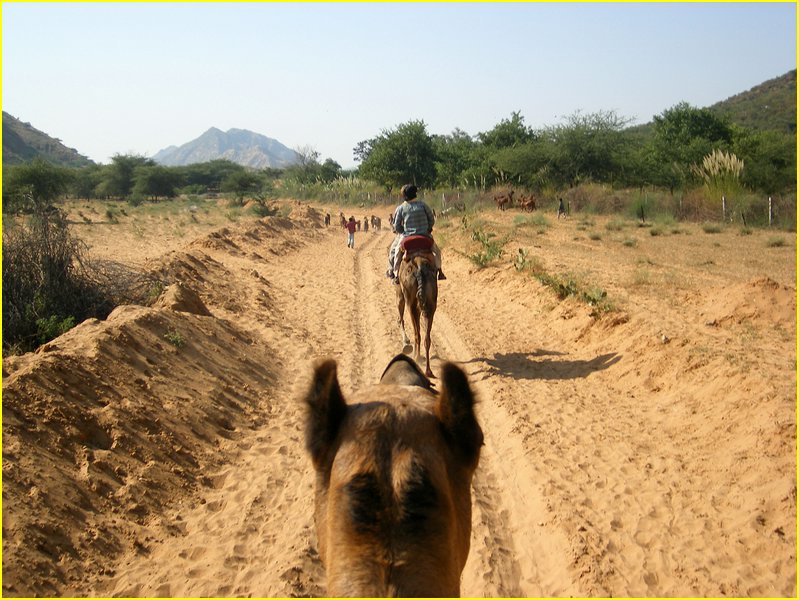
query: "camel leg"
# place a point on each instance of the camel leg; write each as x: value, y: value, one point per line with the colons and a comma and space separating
x: 429, y: 323
x: 406, y: 343
x: 417, y: 332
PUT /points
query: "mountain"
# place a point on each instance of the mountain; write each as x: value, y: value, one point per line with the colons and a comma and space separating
x: 236, y: 145
x: 770, y: 105
x: 22, y: 143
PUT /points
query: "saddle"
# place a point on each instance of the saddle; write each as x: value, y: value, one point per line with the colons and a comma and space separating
x: 414, y: 245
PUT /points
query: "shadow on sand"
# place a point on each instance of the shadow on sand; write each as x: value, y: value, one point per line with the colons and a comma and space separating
x: 538, y: 365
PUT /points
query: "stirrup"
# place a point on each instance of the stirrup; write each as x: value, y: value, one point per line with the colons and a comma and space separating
x: 441, y: 276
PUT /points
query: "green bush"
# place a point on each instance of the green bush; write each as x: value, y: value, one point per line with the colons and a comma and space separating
x: 46, y: 286
x: 776, y: 242
x: 174, y: 337
x: 490, y: 249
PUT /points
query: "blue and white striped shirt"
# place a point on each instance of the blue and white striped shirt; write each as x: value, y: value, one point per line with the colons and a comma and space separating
x: 414, y: 218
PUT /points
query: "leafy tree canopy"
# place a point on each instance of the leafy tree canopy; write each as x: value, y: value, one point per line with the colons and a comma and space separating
x: 399, y: 156
x: 508, y: 133
x: 34, y: 187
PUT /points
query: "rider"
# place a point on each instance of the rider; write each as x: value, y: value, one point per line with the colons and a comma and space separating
x: 412, y: 217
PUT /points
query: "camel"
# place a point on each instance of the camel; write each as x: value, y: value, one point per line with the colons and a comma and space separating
x: 504, y: 200
x: 393, y: 468
x: 527, y: 202
x: 418, y: 290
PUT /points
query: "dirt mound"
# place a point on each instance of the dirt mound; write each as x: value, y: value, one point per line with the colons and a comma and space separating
x: 307, y: 216
x: 98, y: 466
x: 180, y: 298
x: 273, y: 236
x: 761, y: 300
x: 212, y: 281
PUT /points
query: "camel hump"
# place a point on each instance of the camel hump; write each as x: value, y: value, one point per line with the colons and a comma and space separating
x: 402, y: 370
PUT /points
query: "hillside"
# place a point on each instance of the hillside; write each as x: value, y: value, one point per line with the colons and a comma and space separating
x: 236, y: 145
x: 770, y: 105
x: 22, y: 142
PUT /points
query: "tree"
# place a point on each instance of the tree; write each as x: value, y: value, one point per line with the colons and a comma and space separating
x: 329, y: 170
x: 241, y: 184
x: 85, y: 181
x: 156, y: 182
x: 307, y: 168
x: 683, y: 136
x: 508, y: 133
x: 454, y: 154
x: 209, y: 175
x: 396, y: 157
x: 527, y: 164
x: 118, y: 177
x: 589, y: 147
x: 34, y: 187
x: 770, y: 158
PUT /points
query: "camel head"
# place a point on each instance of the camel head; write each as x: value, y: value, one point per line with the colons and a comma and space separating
x: 394, y: 467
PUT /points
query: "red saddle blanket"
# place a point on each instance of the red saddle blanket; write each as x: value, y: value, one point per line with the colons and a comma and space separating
x: 416, y: 243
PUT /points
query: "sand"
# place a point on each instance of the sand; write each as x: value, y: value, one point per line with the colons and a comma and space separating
x: 648, y: 451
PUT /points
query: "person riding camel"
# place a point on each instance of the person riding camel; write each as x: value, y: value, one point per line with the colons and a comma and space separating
x: 412, y: 217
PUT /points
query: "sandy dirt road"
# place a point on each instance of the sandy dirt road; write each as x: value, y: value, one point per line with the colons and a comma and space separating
x: 633, y: 455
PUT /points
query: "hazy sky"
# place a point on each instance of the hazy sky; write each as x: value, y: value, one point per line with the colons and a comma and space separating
x: 110, y: 78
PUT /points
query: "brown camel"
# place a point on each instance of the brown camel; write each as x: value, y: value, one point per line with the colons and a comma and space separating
x: 504, y: 200
x: 527, y: 202
x: 418, y: 290
x: 394, y: 466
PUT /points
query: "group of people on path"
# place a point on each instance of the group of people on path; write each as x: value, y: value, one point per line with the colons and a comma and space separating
x: 411, y: 218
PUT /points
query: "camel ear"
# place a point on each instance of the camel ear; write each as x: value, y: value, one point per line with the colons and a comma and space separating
x: 326, y: 411
x: 455, y: 410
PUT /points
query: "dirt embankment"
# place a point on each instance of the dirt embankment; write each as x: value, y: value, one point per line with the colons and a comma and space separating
x: 650, y: 452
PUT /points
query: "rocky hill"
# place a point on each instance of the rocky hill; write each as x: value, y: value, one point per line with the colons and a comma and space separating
x: 770, y: 105
x: 236, y: 145
x: 22, y: 142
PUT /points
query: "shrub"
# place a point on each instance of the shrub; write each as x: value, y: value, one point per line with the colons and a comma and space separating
x: 51, y: 327
x: 49, y: 285
x: 490, y: 249
x: 776, y: 242
x: 263, y: 210
x: 567, y: 285
x: 174, y: 337
x: 46, y: 286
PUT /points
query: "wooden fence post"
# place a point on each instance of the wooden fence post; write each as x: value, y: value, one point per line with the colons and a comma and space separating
x: 770, y: 211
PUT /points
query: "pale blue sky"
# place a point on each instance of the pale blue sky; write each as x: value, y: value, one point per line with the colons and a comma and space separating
x: 111, y: 78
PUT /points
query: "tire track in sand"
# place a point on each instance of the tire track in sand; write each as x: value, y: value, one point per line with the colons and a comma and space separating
x: 511, y: 555
x: 331, y: 301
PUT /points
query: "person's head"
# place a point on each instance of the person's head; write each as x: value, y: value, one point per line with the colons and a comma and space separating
x: 409, y: 191
x: 352, y: 218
